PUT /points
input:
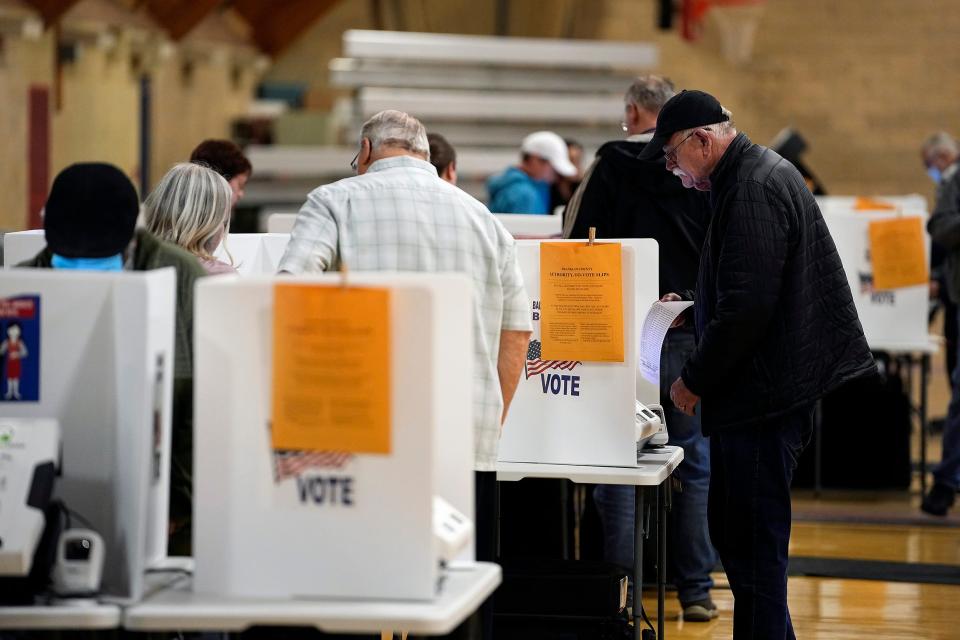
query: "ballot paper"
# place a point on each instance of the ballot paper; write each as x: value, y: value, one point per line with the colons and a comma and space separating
x: 655, y: 326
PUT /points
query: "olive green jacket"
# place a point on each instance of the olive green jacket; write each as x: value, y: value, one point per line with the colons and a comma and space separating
x: 149, y: 253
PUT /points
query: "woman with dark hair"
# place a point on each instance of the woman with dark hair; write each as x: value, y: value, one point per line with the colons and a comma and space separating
x: 227, y: 159
x: 443, y: 156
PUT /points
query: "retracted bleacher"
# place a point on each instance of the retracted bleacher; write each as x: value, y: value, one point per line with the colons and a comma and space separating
x: 483, y: 93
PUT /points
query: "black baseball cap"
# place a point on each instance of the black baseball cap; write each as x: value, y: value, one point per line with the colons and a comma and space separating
x: 686, y: 110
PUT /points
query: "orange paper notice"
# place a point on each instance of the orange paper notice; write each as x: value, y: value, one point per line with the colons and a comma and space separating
x: 897, y: 252
x: 331, y: 369
x: 581, y: 302
x: 871, y: 204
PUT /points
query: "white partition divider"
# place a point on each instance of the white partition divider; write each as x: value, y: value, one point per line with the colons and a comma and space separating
x: 913, y: 203
x: 104, y: 347
x: 529, y: 226
x: 260, y: 537
x: 281, y: 222
x: 252, y: 253
x: 896, y: 317
x: 19, y: 246
x: 587, y: 418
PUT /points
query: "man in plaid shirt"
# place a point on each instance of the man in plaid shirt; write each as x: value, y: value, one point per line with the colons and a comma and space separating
x: 398, y: 215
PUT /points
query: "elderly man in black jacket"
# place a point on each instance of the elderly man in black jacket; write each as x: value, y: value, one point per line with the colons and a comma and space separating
x: 776, y: 328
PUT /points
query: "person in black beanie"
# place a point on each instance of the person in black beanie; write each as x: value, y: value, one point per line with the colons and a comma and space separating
x: 90, y: 222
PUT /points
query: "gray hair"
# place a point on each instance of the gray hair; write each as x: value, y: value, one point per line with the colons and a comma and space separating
x: 396, y: 129
x: 190, y: 207
x: 722, y: 129
x: 941, y: 141
x: 650, y: 92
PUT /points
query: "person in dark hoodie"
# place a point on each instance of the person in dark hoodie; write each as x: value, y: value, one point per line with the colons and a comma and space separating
x: 776, y: 330
x: 625, y: 197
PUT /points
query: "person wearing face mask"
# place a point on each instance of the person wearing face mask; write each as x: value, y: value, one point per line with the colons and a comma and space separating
x: 776, y: 330
x: 90, y: 222
x: 525, y: 188
x: 940, y: 154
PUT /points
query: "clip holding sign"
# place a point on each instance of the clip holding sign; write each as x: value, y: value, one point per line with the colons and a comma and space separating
x: 591, y: 236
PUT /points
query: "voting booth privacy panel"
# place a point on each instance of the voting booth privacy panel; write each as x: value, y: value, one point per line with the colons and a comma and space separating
x: 520, y: 225
x: 891, y: 318
x: 99, y: 356
x: 264, y: 526
x: 251, y: 253
x: 583, y: 412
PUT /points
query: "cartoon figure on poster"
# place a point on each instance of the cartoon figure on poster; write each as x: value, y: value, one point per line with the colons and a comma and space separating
x: 20, y: 349
x: 16, y: 351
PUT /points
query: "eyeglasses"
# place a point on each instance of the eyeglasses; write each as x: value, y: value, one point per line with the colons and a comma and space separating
x: 353, y: 163
x: 671, y: 155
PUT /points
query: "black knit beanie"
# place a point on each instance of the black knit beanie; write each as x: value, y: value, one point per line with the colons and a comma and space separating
x: 91, y: 211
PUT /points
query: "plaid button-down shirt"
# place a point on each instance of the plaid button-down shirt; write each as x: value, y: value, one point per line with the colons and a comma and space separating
x: 399, y: 216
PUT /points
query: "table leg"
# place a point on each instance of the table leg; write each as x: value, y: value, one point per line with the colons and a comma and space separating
x: 564, y: 520
x: 924, y: 380
x: 817, y: 449
x: 638, y: 533
x: 661, y: 557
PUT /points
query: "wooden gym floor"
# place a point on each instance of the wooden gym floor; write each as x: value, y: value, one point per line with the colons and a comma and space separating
x: 885, y: 527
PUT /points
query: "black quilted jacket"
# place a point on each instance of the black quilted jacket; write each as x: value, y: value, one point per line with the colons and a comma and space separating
x: 775, y: 320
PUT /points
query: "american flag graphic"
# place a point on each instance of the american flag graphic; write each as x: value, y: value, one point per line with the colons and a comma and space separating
x: 288, y: 464
x: 535, y: 365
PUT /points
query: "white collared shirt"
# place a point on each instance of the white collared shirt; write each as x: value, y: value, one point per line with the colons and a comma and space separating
x: 399, y: 216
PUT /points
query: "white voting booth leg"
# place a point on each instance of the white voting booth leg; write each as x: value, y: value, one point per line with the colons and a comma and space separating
x: 106, y: 362
x: 260, y: 538
x: 592, y: 422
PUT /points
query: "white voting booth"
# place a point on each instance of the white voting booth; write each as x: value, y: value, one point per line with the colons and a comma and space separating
x: 520, y: 225
x: 587, y: 419
x: 531, y: 226
x: 252, y: 253
x: 895, y: 318
x: 913, y: 203
x: 104, y: 347
x: 257, y: 534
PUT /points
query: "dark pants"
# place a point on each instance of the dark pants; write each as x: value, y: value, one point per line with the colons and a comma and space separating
x: 749, y: 515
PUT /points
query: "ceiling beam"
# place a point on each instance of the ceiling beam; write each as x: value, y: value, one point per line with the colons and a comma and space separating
x: 179, y: 17
x: 275, y: 25
x: 51, y: 10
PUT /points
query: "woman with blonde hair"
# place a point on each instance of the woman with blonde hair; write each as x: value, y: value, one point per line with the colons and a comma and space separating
x: 190, y: 207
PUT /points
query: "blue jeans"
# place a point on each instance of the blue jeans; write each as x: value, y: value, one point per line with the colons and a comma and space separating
x: 691, y: 554
x: 948, y: 471
x: 750, y: 518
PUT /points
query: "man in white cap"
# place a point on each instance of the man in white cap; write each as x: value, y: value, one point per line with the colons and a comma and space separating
x: 526, y: 187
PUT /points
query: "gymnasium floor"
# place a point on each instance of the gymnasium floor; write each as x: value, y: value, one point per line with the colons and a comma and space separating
x: 886, y: 527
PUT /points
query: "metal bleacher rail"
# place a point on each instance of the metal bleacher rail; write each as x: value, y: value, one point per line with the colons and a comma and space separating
x: 483, y: 93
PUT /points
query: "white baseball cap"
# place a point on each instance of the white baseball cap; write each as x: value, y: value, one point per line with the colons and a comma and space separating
x: 552, y: 148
